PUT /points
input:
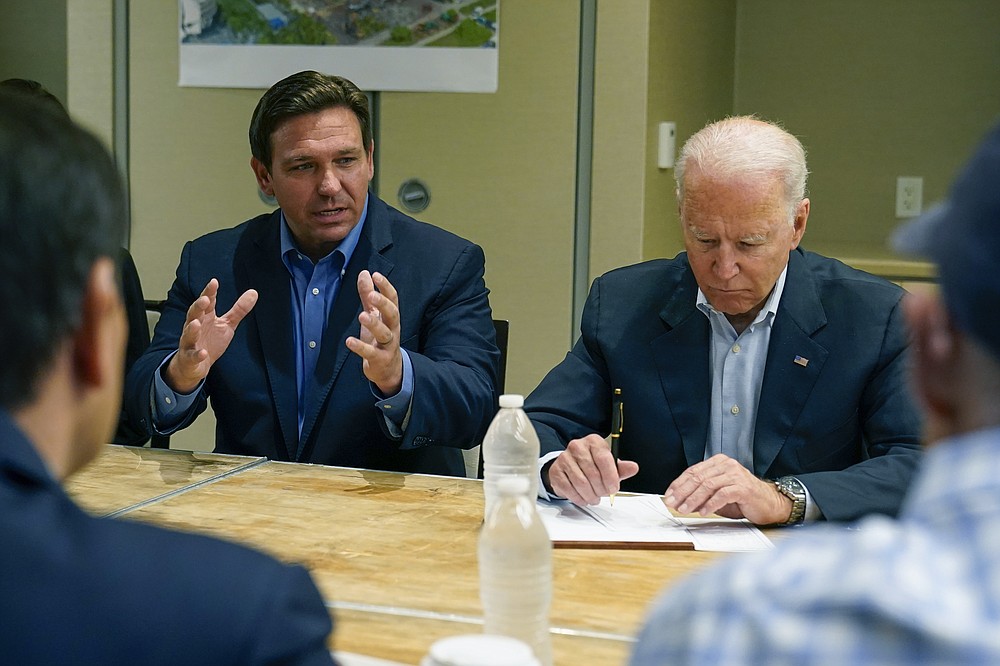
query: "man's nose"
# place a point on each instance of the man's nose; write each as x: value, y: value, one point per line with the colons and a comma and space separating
x: 725, y: 264
x: 330, y: 184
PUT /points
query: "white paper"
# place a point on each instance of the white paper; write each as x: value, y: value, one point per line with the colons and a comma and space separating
x: 725, y: 535
x: 645, y: 519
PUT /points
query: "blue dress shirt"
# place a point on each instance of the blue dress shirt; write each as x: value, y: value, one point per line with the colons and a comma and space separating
x: 737, y: 365
x: 313, y: 290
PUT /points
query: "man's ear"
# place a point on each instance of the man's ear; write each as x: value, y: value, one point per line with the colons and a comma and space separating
x: 799, y: 222
x: 263, y: 175
x: 371, y: 160
x: 935, y: 349
x: 96, y: 337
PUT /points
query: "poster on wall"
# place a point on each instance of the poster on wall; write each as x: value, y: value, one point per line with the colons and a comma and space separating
x: 398, y: 45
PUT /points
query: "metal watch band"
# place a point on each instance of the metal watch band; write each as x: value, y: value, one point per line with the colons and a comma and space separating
x: 793, y: 489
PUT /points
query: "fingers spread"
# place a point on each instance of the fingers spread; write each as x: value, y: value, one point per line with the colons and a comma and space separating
x: 242, y: 307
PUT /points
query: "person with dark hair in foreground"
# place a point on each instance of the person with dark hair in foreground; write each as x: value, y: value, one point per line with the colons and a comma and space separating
x: 923, y: 589
x: 334, y: 330
x: 135, y: 310
x: 78, y: 589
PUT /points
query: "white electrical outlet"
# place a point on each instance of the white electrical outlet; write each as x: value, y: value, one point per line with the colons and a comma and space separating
x: 909, y: 196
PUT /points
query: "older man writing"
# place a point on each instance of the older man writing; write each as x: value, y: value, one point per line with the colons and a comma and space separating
x: 759, y: 380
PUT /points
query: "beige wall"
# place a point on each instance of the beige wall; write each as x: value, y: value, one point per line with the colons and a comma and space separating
x: 89, y: 65
x: 621, y: 87
x: 691, y: 68
x: 656, y: 60
x: 874, y: 90
x: 33, y: 43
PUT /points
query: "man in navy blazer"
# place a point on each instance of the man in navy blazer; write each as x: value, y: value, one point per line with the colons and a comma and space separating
x: 757, y: 380
x: 333, y: 363
x: 78, y: 589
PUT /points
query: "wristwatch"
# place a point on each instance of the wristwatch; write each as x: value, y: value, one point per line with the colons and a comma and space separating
x: 793, y: 489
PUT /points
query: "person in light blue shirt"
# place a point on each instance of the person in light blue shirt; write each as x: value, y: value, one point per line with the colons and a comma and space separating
x: 923, y: 589
x: 335, y: 329
x: 758, y: 380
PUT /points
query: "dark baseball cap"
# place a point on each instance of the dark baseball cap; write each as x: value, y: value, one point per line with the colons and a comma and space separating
x: 962, y: 236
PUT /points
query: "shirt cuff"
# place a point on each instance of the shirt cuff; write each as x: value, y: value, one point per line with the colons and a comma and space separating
x: 542, y: 492
x: 169, y: 407
x: 396, y: 409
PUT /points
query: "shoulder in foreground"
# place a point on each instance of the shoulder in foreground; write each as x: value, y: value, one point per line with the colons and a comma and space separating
x: 884, y: 585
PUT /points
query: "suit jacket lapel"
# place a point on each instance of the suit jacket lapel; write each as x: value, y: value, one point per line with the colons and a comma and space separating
x: 794, y: 362
x: 681, y: 359
x: 259, y: 264
x: 343, y: 321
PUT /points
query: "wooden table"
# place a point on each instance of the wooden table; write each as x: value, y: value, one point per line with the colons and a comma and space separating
x: 123, y: 477
x: 395, y: 554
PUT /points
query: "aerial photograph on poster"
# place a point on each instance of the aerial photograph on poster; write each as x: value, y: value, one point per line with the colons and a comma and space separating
x: 448, y: 23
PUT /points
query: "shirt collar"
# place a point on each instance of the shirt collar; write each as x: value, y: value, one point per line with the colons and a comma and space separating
x: 769, y: 310
x: 346, y: 246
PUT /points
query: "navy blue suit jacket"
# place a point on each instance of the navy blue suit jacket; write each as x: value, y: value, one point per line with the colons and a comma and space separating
x: 844, y: 424
x: 82, y: 590
x: 447, y: 330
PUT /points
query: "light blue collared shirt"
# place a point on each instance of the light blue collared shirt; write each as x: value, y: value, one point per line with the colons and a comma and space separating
x: 736, y: 364
x: 920, y: 589
x: 313, y: 289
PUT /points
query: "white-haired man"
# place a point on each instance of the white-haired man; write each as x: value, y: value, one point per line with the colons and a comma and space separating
x: 759, y: 380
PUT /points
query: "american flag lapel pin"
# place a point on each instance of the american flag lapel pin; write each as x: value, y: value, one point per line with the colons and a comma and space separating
x: 800, y: 360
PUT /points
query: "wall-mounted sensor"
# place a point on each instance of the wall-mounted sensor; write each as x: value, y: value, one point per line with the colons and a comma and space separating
x: 414, y: 196
x: 668, y: 145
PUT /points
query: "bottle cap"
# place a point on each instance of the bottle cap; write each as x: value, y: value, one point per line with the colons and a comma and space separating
x: 512, y: 485
x: 479, y: 650
x: 511, y: 401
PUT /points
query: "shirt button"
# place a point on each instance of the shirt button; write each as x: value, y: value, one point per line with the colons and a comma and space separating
x: 315, y: 291
x: 312, y: 344
x: 736, y: 349
x: 386, y: 406
x: 167, y: 400
x: 735, y: 409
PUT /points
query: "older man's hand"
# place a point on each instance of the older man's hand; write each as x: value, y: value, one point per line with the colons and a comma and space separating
x: 723, y: 486
x: 586, y: 471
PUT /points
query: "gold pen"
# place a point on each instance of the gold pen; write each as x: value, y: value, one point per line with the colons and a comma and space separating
x: 617, y: 421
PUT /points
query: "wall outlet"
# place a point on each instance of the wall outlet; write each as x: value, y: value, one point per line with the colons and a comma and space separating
x: 909, y: 196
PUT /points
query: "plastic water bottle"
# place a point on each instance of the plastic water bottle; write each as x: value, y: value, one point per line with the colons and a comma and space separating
x: 515, y: 569
x: 510, y: 448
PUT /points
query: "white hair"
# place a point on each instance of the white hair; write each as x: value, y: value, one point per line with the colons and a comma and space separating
x: 745, y: 146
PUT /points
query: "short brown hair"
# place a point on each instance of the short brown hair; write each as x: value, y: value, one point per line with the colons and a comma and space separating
x: 299, y: 94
